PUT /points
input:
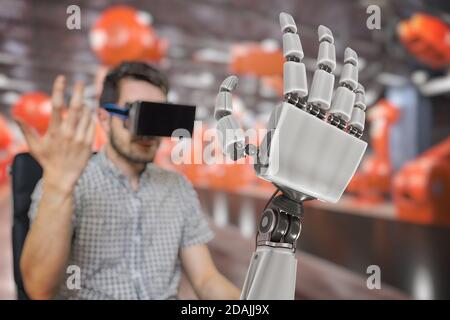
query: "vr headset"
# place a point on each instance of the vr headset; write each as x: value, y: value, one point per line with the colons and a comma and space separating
x: 149, y: 119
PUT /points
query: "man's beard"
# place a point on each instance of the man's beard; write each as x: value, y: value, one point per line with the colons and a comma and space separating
x: 127, y: 155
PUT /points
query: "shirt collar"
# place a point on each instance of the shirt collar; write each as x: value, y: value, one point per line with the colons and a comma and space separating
x: 111, y: 168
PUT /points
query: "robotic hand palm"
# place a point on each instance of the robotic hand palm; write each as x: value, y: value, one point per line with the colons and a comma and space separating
x: 311, y: 151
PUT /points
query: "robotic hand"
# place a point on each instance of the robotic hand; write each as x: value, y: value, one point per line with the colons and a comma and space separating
x: 311, y: 151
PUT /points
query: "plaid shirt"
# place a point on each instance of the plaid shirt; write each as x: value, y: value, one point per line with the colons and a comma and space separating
x: 125, y: 242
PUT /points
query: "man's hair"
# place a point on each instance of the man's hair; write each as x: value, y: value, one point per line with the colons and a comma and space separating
x: 131, y: 69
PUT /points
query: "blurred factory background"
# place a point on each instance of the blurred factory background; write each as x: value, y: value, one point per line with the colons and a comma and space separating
x: 396, y: 211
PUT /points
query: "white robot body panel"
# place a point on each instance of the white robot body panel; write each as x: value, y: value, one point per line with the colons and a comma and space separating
x: 311, y: 156
x: 260, y: 284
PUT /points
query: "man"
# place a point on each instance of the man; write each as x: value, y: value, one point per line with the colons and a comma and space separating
x: 127, y: 224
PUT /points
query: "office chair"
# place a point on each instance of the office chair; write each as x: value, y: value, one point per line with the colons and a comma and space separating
x: 25, y: 173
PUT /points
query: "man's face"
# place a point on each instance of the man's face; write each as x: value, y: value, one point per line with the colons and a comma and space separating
x: 134, y: 149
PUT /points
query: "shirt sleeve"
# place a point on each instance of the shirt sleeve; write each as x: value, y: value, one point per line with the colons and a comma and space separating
x: 36, y: 199
x: 196, y: 229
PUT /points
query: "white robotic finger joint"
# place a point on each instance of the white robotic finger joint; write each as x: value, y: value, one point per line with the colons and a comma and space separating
x: 224, y: 106
x: 359, y: 101
x: 231, y: 137
x: 295, y: 79
x: 292, y: 46
x: 325, y: 34
x: 350, y: 56
x: 360, y: 89
x: 287, y: 23
x: 229, y: 84
x: 349, y: 76
x: 342, y: 104
x: 321, y: 89
x: 357, y: 119
x: 327, y: 56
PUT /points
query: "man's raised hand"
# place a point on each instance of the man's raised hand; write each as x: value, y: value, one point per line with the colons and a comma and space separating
x: 64, y: 150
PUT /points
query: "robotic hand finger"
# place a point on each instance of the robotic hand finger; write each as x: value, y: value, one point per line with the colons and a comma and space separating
x: 230, y: 134
x: 294, y: 70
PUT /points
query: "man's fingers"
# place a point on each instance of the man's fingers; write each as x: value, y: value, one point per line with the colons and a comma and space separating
x: 76, y: 105
x: 57, y: 102
x: 83, y: 125
x: 77, y: 96
x: 58, y: 92
x: 90, y: 132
